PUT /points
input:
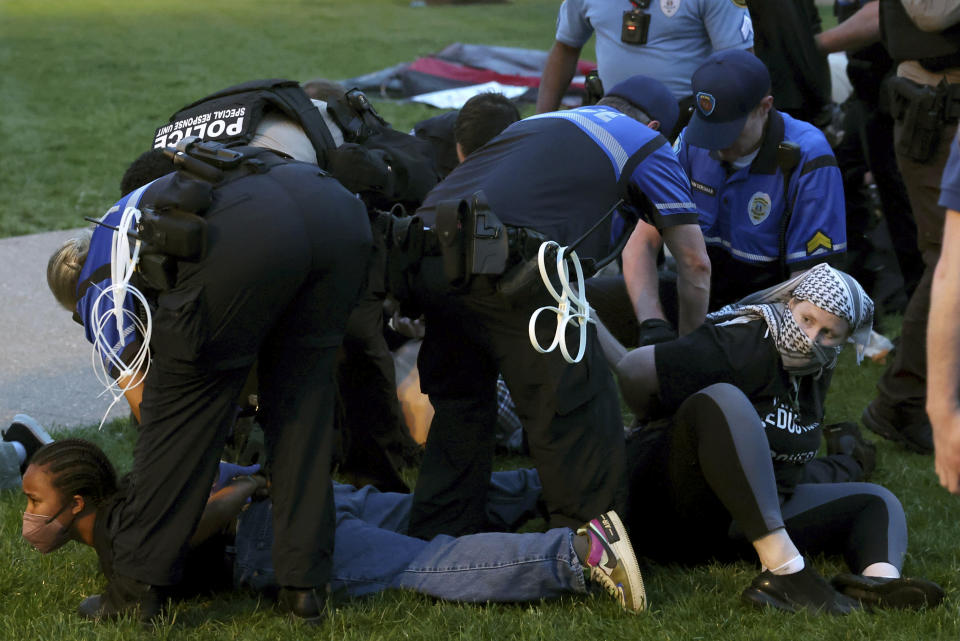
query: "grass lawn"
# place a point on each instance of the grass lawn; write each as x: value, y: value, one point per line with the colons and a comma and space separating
x: 84, y: 84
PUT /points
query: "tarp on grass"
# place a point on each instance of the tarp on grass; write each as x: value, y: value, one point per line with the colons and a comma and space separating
x: 459, y: 66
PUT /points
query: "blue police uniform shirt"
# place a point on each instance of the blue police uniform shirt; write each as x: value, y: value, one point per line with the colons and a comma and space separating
x: 122, y: 338
x: 950, y: 186
x: 742, y: 214
x: 558, y: 173
x: 682, y: 34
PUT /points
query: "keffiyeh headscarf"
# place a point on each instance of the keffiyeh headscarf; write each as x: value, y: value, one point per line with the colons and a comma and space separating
x: 829, y: 289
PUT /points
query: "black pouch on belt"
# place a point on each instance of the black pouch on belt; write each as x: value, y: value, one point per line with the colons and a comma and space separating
x: 450, y: 226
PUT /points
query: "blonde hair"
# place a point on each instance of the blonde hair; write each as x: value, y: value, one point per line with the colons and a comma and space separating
x: 63, y: 269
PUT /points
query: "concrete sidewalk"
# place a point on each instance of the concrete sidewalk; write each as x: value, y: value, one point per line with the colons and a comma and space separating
x: 45, y: 361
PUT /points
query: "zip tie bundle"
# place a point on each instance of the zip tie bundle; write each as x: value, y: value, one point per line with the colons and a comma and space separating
x: 106, y: 356
x: 571, y: 306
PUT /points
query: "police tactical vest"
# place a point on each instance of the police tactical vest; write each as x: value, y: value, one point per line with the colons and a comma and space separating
x: 234, y: 113
x: 935, y: 51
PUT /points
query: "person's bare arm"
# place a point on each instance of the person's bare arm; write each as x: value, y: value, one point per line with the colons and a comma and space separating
x: 858, y: 31
x: 640, y: 271
x: 134, y: 395
x: 557, y: 74
x: 224, y: 505
x: 693, y: 274
x: 943, y: 357
x: 636, y: 371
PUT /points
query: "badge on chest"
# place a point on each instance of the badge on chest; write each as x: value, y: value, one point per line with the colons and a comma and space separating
x: 759, y: 207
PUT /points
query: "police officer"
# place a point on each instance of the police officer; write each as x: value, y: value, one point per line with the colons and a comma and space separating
x: 924, y: 39
x: 555, y: 173
x: 345, y: 135
x: 272, y: 280
x: 767, y: 187
x: 664, y: 39
x: 867, y: 144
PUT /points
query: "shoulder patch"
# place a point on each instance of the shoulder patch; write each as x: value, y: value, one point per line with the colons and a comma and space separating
x: 819, y: 241
x: 759, y: 207
x: 740, y: 3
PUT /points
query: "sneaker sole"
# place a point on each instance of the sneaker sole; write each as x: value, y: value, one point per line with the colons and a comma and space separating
x: 31, y: 425
x: 624, y: 551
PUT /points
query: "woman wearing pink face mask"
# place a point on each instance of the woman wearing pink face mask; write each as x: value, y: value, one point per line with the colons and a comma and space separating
x: 64, y: 486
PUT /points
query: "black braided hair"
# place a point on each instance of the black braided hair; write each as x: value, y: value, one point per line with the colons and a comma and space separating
x: 79, y: 467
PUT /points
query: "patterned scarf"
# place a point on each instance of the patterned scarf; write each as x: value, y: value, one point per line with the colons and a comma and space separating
x: 829, y: 289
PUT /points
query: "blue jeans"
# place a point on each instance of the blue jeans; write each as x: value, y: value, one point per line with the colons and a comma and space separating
x: 372, y: 553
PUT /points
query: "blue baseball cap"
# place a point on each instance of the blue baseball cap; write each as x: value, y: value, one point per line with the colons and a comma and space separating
x: 652, y: 96
x: 726, y: 88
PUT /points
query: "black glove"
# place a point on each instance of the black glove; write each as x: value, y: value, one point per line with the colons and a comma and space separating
x: 655, y: 330
x: 361, y: 170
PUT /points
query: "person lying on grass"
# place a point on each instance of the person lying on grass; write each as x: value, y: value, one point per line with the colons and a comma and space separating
x: 70, y: 484
x: 733, y: 413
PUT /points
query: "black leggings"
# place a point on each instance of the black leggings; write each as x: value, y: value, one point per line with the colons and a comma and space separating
x: 712, y: 464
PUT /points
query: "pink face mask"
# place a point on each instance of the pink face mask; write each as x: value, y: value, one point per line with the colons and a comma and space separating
x: 45, y: 533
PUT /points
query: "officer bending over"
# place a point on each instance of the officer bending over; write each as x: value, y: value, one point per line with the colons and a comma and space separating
x: 766, y: 186
x: 269, y: 274
x: 343, y: 134
x: 556, y: 174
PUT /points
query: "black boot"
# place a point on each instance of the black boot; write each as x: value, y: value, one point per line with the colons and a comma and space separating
x: 307, y: 604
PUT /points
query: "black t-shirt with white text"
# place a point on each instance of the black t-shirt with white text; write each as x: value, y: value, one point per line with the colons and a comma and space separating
x: 744, y: 355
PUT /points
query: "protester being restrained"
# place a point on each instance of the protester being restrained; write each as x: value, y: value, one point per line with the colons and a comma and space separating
x: 732, y: 416
x: 71, y: 484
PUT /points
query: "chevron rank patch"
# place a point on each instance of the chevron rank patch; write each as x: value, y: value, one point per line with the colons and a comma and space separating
x: 819, y: 241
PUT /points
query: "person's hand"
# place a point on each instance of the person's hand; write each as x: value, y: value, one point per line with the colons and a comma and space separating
x: 227, y: 471
x: 655, y: 330
x: 946, y: 443
x: 409, y: 327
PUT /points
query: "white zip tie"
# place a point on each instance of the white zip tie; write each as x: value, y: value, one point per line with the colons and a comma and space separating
x: 567, y: 301
x: 105, y: 356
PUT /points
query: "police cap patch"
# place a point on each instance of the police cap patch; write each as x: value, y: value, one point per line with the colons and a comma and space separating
x: 706, y: 103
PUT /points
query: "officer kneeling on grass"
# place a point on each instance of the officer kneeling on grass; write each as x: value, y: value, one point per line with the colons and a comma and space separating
x: 246, y: 256
x: 559, y: 176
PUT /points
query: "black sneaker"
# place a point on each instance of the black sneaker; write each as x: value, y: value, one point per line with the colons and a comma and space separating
x: 878, y: 592
x: 124, y: 597
x: 803, y: 590
x: 845, y: 438
x: 913, y: 435
x: 28, y: 433
x: 305, y: 604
